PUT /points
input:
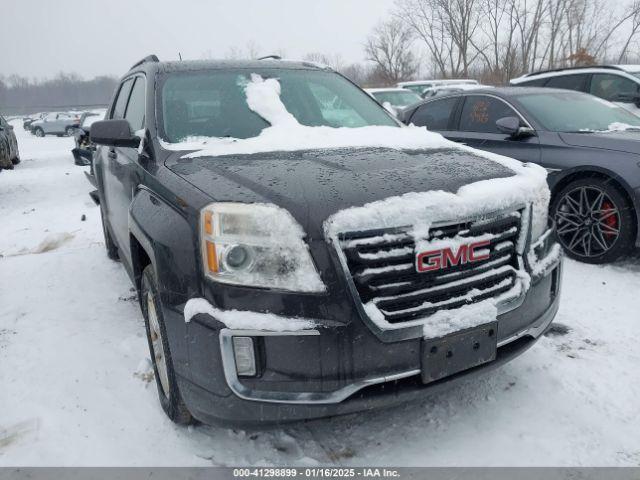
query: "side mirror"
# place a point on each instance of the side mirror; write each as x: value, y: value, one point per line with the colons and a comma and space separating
x: 115, y: 133
x: 511, y: 126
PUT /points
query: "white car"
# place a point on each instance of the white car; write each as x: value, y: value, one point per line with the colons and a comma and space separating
x: 419, y: 86
x: 397, y: 98
x: 619, y: 84
x: 56, y: 123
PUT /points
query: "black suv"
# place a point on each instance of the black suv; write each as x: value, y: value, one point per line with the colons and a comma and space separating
x: 290, y: 283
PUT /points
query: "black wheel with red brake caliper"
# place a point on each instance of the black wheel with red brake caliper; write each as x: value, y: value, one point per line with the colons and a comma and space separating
x: 595, y: 223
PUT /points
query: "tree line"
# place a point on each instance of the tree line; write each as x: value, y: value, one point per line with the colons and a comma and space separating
x: 23, y: 95
x: 495, y: 40
x: 491, y: 40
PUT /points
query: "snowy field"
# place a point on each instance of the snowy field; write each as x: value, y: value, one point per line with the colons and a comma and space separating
x: 75, y: 386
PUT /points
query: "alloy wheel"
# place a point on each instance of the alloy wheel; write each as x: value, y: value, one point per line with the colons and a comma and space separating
x: 587, y: 221
x: 156, y: 342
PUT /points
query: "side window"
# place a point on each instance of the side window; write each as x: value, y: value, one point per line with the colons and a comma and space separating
x: 608, y: 86
x: 121, y: 100
x: 480, y: 113
x: 435, y: 115
x: 136, y: 108
x: 568, y: 82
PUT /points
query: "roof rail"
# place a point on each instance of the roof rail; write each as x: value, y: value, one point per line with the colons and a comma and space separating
x: 148, y: 58
x: 272, y: 57
x: 561, y: 69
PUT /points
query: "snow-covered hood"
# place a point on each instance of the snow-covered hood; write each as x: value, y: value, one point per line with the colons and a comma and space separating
x: 353, y: 178
x: 314, y: 185
x: 620, y: 141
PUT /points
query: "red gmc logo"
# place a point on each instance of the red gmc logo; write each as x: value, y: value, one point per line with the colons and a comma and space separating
x: 446, y: 257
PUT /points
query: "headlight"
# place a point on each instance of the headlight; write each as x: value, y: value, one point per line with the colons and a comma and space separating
x: 258, y: 245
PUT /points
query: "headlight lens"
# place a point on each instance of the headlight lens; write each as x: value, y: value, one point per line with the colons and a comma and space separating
x: 258, y: 245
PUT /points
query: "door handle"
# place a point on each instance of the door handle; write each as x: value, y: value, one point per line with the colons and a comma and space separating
x: 112, y: 154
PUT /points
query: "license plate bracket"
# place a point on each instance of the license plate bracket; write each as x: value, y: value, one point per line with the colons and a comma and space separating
x: 458, y: 351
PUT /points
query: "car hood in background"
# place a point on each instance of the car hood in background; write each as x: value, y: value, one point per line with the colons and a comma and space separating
x: 624, y: 141
x: 314, y: 184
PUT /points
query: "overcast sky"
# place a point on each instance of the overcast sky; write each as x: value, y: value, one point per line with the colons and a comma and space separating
x: 40, y: 38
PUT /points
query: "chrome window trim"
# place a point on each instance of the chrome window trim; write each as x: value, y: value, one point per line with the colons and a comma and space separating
x: 506, y: 102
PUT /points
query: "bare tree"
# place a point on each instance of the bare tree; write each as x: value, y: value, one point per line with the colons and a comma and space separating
x: 447, y: 28
x: 499, y: 39
x: 334, y: 61
x: 634, y: 10
x: 389, y: 47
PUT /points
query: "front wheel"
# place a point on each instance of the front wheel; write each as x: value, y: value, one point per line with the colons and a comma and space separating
x: 70, y: 131
x: 595, y: 223
x: 168, y: 391
x: 38, y: 132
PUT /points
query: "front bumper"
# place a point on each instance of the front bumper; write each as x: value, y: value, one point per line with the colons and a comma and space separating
x: 334, y: 369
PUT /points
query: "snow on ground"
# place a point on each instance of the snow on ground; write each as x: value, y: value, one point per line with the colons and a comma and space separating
x: 76, y: 388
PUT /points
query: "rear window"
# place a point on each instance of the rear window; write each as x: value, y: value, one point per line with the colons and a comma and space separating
x: 539, y: 82
x: 213, y: 103
x: 435, y: 115
x: 568, y: 82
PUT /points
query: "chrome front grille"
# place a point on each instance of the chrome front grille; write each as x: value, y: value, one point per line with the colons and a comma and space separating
x: 382, y: 264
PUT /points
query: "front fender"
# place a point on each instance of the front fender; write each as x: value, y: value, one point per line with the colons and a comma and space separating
x: 169, y: 239
x: 166, y: 236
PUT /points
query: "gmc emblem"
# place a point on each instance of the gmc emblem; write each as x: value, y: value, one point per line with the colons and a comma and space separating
x: 434, y: 260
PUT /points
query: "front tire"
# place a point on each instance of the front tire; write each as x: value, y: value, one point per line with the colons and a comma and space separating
x: 166, y: 382
x: 595, y: 223
x: 38, y: 132
x: 69, y: 131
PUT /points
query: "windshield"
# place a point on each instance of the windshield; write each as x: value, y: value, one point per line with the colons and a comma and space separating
x: 397, y: 98
x: 213, y: 103
x: 575, y: 112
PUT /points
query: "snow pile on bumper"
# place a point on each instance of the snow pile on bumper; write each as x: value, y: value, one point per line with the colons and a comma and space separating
x: 245, y: 320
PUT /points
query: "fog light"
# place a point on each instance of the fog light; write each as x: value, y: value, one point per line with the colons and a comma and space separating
x: 244, y: 356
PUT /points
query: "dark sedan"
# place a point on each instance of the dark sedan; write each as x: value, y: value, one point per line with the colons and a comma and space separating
x: 590, y: 147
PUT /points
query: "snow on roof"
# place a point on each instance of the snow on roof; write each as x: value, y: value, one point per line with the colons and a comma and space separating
x: 440, y: 81
x: 461, y: 86
x: 621, y: 69
x: 630, y: 68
